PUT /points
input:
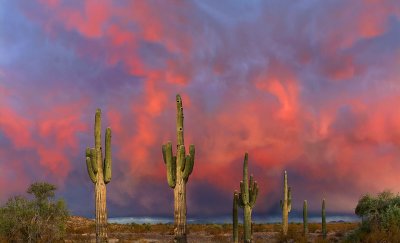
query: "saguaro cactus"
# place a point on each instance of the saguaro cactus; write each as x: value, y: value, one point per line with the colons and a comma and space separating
x: 99, y: 171
x: 286, y: 204
x: 235, y: 217
x: 247, y: 199
x: 179, y: 168
x: 323, y: 219
x: 305, y: 218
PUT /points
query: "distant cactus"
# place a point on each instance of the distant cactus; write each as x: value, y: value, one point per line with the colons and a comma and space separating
x: 235, y: 217
x: 286, y: 204
x: 247, y: 199
x: 99, y: 171
x: 179, y: 168
x: 323, y: 220
x: 305, y: 218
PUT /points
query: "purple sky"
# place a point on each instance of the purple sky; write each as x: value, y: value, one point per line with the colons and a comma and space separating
x: 306, y: 86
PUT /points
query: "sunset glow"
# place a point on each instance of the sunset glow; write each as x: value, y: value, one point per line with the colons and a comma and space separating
x: 310, y: 87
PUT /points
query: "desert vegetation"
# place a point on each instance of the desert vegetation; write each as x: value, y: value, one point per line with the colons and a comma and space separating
x: 286, y: 204
x: 179, y: 168
x: 99, y: 170
x: 380, y: 216
x: 39, y: 219
x: 246, y: 199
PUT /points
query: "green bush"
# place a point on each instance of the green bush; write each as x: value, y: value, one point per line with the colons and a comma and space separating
x: 41, y: 219
x: 380, y: 218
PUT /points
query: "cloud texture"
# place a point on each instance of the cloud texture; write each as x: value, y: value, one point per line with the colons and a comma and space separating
x: 310, y: 87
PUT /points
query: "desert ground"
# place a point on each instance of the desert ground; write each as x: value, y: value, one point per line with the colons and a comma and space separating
x: 83, y: 230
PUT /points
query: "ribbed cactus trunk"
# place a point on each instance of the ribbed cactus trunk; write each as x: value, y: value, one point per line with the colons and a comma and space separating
x: 179, y: 168
x: 286, y: 204
x: 180, y: 208
x: 247, y: 223
x: 101, y: 212
x: 305, y: 218
x: 235, y: 222
x: 99, y: 171
x: 247, y: 199
x: 323, y: 220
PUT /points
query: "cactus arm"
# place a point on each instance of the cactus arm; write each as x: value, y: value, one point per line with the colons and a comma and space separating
x: 171, y: 165
x: 90, y: 153
x: 240, y: 201
x: 189, y: 163
x: 181, y: 158
x: 92, y: 175
x: 251, y: 183
x: 179, y: 120
x: 107, y: 159
x: 242, y: 193
x: 188, y: 167
x: 253, y: 195
x: 245, y: 192
x: 191, y: 153
x: 93, y: 160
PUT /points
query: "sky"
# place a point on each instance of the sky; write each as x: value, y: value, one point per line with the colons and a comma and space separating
x: 307, y: 86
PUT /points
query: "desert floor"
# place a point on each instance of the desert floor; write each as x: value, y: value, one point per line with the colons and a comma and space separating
x: 83, y: 230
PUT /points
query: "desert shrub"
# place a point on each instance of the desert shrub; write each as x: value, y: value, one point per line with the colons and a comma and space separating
x: 380, y: 218
x: 41, y: 219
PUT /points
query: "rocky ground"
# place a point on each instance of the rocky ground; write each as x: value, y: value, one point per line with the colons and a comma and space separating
x: 82, y: 230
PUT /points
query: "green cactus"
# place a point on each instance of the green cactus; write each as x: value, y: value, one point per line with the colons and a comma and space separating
x: 99, y: 171
x: 286, y: 204
x: 235, y: 217
x: 323, y: 220
x: 179, y: 168
x: 305, y: 218
x: 247, y: 199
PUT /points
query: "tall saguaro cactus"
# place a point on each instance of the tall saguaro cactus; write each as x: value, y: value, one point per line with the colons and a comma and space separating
x: 247, y: 199
x: 179, y: 168
x: 286, y: 204
x: 323, y: 219
x: 99, y: 170
x: 235, y: 217
x: 305, y: 218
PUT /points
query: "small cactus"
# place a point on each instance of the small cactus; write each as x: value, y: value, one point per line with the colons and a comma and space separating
x: 179, y: 168
x: 286, y: 204
x: 247, y: 199
x: 323, y: 220
x: 235, y: 217
x: 99, y: 171
x: 305, y: 218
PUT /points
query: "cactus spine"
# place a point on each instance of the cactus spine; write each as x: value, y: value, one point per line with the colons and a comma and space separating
x: 247, y: 199
x: 99, y: 171
x: 286, y: 204
x: 235, y: 217
x: 305, y: 218
x: 179, y: 168
x: 323, y: 219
